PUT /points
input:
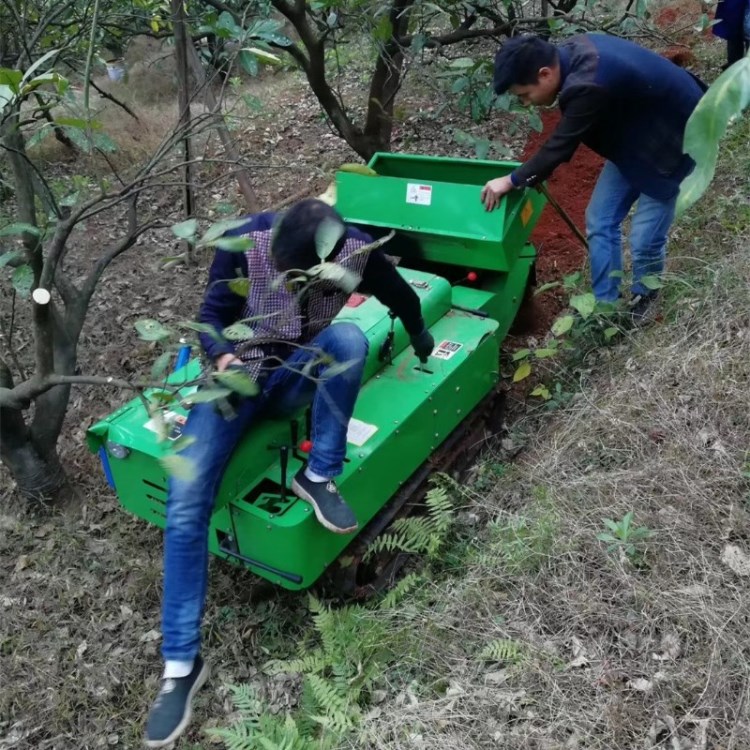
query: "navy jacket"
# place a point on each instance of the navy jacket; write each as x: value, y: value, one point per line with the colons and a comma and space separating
x: 731, y: 16
x: 626, y: 103
x: 221, y: 306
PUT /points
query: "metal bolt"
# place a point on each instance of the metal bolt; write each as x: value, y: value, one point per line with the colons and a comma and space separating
x: 458, y: 388
x: 361, y: 455
x: 437, y: 434
x: 434, y: 411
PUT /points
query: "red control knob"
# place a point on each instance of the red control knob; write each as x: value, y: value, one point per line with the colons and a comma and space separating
x: 471, y: 276
x: 305, y: 446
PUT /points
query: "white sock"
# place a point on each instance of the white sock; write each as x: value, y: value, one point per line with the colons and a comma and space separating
x: 313, y: 477
x: 173, y: 669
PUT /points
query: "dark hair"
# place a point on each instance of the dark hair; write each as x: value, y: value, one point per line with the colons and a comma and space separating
x: 293, y: 244
x: 518, y: 61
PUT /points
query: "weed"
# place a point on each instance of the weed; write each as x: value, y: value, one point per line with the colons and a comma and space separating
x: 623, y: 535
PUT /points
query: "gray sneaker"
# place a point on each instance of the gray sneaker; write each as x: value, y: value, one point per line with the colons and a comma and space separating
x: 643, y: 309
x: 171, y: 711
x: 330, y: 508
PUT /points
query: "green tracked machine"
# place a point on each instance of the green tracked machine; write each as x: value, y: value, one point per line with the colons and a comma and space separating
x: 471, y: 269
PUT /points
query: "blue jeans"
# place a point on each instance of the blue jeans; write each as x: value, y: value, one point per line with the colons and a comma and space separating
x: 189, y: 503
x: 610, y: 203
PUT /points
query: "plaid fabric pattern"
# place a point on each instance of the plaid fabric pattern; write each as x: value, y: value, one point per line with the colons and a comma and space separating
x: 280, y: 319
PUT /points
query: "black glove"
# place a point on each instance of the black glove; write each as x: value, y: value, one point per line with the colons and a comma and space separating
x: 423, y: 344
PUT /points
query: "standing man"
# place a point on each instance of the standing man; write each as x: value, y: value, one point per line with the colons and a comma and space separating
x: 733, y: 17
x: 294, y: 355
x: 630, y: 106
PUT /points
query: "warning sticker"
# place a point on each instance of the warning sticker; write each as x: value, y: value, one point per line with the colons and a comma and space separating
x: 420, y: 195
x: 446, y: 349
x: 526, y: 213
x: 358, y: 432
x: 174, y: 421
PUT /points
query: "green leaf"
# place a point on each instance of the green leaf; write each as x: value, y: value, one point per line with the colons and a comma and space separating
x: 355, y: 168
x: 336, y: 368
x: 545, y: 353
x: 383, y: 30
x: 20, y: 228
x: 239, y: 286
x: 38, y: 64
x: 627, y: 520
x: 206, y: 395
x: 22, y: 280
x: 79, y: 138
x: 616, y: 274
x: 562, y: 325
x: 541, y: 391
x: 340, y: 276
x: 11, y: 78
x: 612, y: 525
x: 6, y: 95
x: 651, y: 282
x: 151, y: 330
x: 546, y: 287
x: 232, y: 244
x: 725, y: 99
x: 9, y: 257
x: 161, y: 365
x: 237, y: 332
x: 604, y: 537
x: 186, y: 230
x: 572, y: 280
x: 584, y: 303
x: 227, y: 23
x: 329, y: 232
x: 263, y: 56
x: 104, y: 143
x: 178, y: 467
x: 610, y: 332
x: 521, y: 354
x: 248, y: 62
x: 77, y: 122
x: 192, y: 325
x: 220, y: 228
x: 522, y: 372
x: 239, y: 381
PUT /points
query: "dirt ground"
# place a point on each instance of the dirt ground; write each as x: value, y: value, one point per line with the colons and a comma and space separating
x: 80, y: 589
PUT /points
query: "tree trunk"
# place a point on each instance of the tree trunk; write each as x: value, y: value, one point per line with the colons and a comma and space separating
x: 179, y: 24
x: 38, y: 477
x: 386, y: 79
x: 37, y: 473
x: 214, y: 105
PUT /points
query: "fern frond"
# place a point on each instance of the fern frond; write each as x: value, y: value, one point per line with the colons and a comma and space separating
x: 246, y: 701
x: 399, y: 591
x: 339, y: 713
x: 311, y: 663
x: 239, y: 736
x: 504, y: 650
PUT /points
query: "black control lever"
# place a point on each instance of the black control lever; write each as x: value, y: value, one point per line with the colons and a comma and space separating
x: 284, y: 461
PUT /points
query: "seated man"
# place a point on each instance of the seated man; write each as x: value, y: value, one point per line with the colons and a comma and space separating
x: 292, y: 347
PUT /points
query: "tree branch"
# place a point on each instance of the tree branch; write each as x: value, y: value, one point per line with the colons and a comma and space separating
x: 105, y: 95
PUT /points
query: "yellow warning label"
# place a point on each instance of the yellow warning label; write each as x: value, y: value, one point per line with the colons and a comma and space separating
x: 526, y: 213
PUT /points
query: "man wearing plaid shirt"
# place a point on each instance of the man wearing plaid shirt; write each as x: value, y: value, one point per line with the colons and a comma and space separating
x: 293, y: 344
